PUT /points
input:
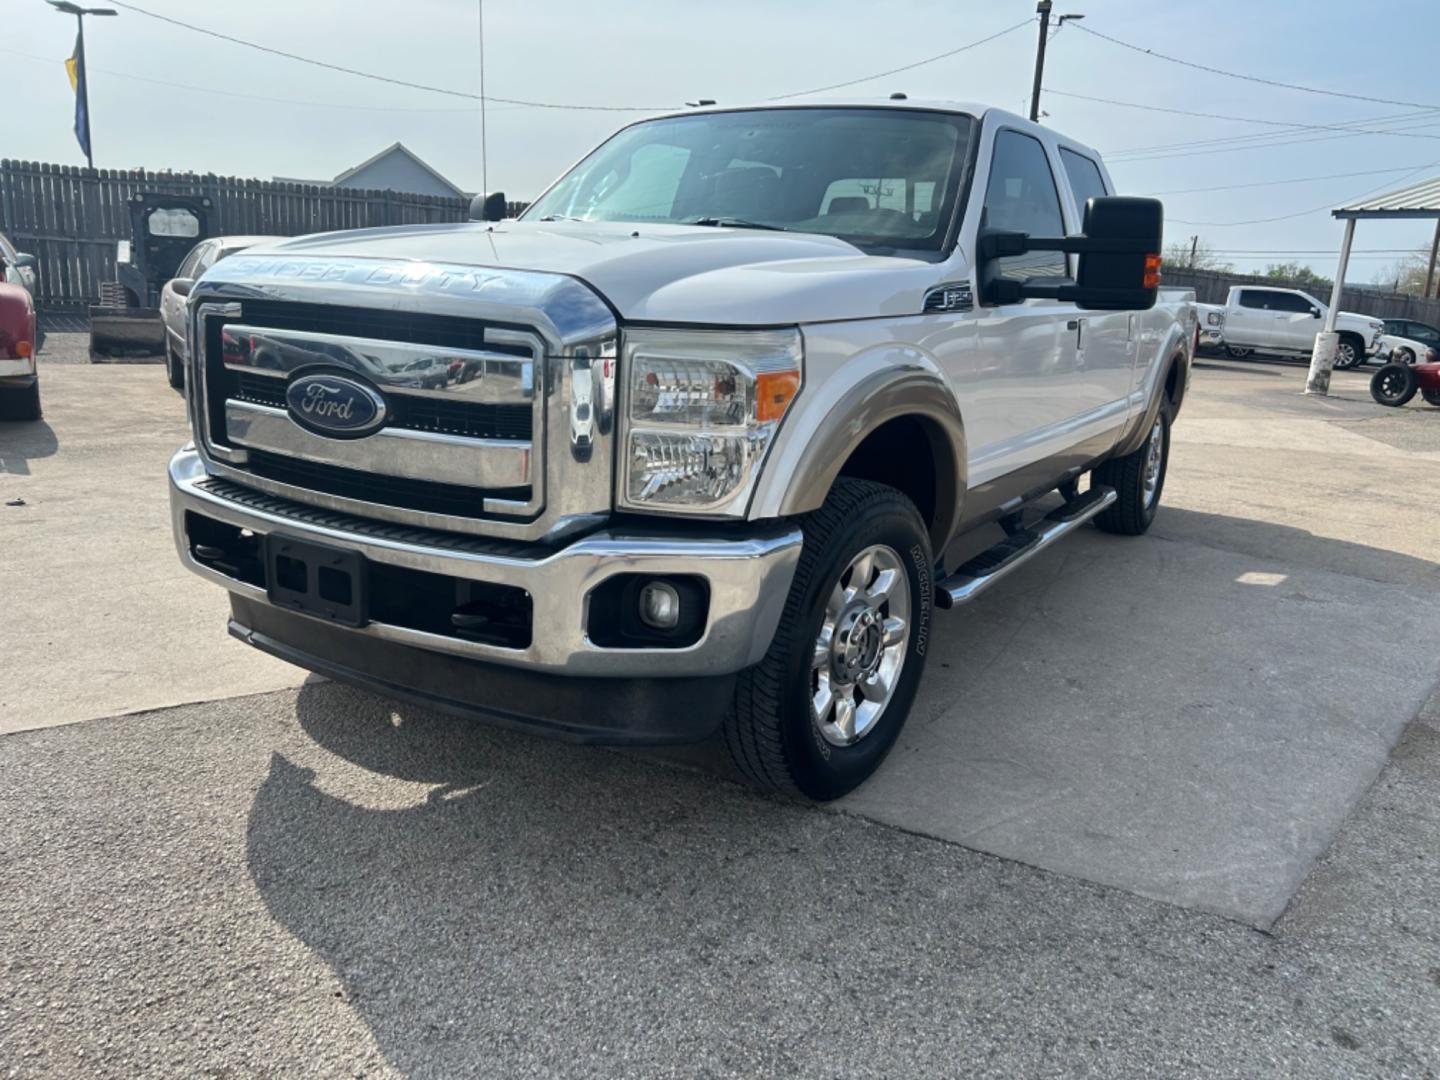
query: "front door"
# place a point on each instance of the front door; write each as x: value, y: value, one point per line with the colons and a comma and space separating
x: 1022, y: 387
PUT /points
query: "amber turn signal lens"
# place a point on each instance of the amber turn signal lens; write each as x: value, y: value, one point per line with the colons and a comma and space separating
x: 23, y: 349
x: 774, y: 390
x: 1152, y: 272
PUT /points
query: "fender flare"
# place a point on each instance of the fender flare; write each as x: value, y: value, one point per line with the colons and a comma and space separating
x: 1179, y: 357
x: 868, y: 391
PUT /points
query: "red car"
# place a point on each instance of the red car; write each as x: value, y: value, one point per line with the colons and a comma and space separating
x: 1395, y: 384
x: 19, y: 380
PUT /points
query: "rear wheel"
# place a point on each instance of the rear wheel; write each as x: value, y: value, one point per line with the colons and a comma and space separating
x: 23, y: 404
x: 819, y: 713
x: 1349, y: 352
x: 1432, y: 397
x: 174, y: 368
x: 1138, y: 479
x: 1393, y: 385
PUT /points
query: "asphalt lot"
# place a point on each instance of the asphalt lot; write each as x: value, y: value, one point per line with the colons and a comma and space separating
x: 1093, y: 853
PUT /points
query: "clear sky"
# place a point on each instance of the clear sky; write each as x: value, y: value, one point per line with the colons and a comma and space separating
x: 662, y: 52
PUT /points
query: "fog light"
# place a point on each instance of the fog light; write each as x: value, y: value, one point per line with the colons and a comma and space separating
x: 660, y: 606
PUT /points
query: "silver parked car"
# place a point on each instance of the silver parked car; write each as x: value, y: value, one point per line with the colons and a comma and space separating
x: 16, y: 267
x: 172, y: 297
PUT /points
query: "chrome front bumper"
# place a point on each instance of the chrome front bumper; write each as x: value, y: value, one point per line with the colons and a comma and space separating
x: 748, y: 577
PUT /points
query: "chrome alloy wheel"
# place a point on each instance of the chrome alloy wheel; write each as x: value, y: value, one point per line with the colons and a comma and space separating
x: 861, y: 646
x: 1153, y: 460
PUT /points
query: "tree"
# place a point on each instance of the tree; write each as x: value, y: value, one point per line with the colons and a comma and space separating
x: 1406, y: 275
x: 1177, y: 255
x: 1297, y: 274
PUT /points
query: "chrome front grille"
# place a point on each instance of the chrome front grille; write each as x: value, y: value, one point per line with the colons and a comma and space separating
x: 463, y: 406
x: 494, y: 390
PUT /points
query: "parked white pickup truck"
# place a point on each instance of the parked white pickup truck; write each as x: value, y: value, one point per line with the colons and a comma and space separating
x: 708, y: 419
x: 1285, y: 321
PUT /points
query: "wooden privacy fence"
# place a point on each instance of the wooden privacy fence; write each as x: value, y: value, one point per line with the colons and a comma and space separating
x: 71, y: 218
x: 1213, y: 286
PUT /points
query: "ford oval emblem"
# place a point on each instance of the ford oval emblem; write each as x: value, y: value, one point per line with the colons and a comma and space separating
x: 335, y: 406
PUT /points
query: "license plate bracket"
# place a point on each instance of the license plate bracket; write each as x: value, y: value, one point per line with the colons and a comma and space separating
x: 317, y: 579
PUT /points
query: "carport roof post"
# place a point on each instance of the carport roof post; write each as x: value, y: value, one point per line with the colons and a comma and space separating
x: 1420, y: 200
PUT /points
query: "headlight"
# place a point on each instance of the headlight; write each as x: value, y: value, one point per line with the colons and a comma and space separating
x: 1214, y: 318
x: 701, y: 408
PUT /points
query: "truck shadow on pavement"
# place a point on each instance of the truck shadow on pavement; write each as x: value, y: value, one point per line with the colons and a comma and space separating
x: 22, y: 442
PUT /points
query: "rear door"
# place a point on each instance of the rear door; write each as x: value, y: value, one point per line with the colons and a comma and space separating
x: 1105, y: 369
x: 1247, y: 321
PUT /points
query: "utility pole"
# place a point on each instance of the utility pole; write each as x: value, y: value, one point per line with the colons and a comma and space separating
x: 1043, y: 10
x: 82, y: 89
x: 1434, y: 250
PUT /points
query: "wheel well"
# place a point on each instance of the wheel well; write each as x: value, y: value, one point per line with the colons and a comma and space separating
x: 1174, y: 385
x: 904, y: 453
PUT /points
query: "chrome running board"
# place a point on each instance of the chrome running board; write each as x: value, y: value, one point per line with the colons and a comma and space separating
x: 975, y: 576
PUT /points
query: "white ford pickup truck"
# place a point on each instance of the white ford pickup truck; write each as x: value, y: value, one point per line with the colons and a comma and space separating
x: 1261, y: 319
x: 684, y: 448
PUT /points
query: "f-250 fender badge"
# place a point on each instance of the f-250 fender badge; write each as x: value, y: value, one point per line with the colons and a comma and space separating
x: 335, y: 406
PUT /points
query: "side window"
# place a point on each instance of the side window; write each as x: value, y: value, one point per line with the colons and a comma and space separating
x: 187, y: 268
x: 1421, y: 332
x: 206, y: 260
x: 1085, y: 180
x: 1021, y: 197
x: 1289, y: 302
x: 1252, y: 299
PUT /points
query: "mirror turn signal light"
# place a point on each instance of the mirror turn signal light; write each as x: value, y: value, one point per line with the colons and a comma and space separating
x: 1152, y: 272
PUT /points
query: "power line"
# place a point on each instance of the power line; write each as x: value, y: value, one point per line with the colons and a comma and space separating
x: 1293, y: 125
x: 50, y: 61
x: 1204, y: 151
x: 1345, y: 129
x: 1291, y: 180
x: 1252, y: 78
x: 906, y: 67
x: 383, y: 78
x: 1302, y: 213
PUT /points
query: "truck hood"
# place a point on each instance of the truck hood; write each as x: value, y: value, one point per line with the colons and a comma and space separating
x: 667, y: 273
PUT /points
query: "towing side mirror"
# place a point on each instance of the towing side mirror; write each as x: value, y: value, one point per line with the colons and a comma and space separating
x: 1118, y: 268
x: 488, y: 206
x: 181, y: 286
x: 24, y: 258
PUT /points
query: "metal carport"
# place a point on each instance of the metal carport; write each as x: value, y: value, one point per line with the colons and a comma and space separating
x: 1420, y: 200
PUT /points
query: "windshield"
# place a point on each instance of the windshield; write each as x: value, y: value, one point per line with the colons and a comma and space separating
x: 882, y: 177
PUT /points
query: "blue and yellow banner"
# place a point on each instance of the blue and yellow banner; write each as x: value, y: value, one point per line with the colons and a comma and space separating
x: 75, y: 68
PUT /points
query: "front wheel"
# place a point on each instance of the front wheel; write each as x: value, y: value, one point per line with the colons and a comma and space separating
x: 819, y: 713
x: 1349, y: 352
x: 1237, y: 353
x: 1393, y: 385
x: 1403, y: 356
x: 174, y: 369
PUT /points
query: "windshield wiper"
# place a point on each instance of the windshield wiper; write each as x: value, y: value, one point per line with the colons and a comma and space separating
x: 560, y: 217
x: 737, y: 223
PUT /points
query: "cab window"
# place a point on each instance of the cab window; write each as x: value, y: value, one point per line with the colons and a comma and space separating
x: 1085, y: 178
x: 1021, y: 196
